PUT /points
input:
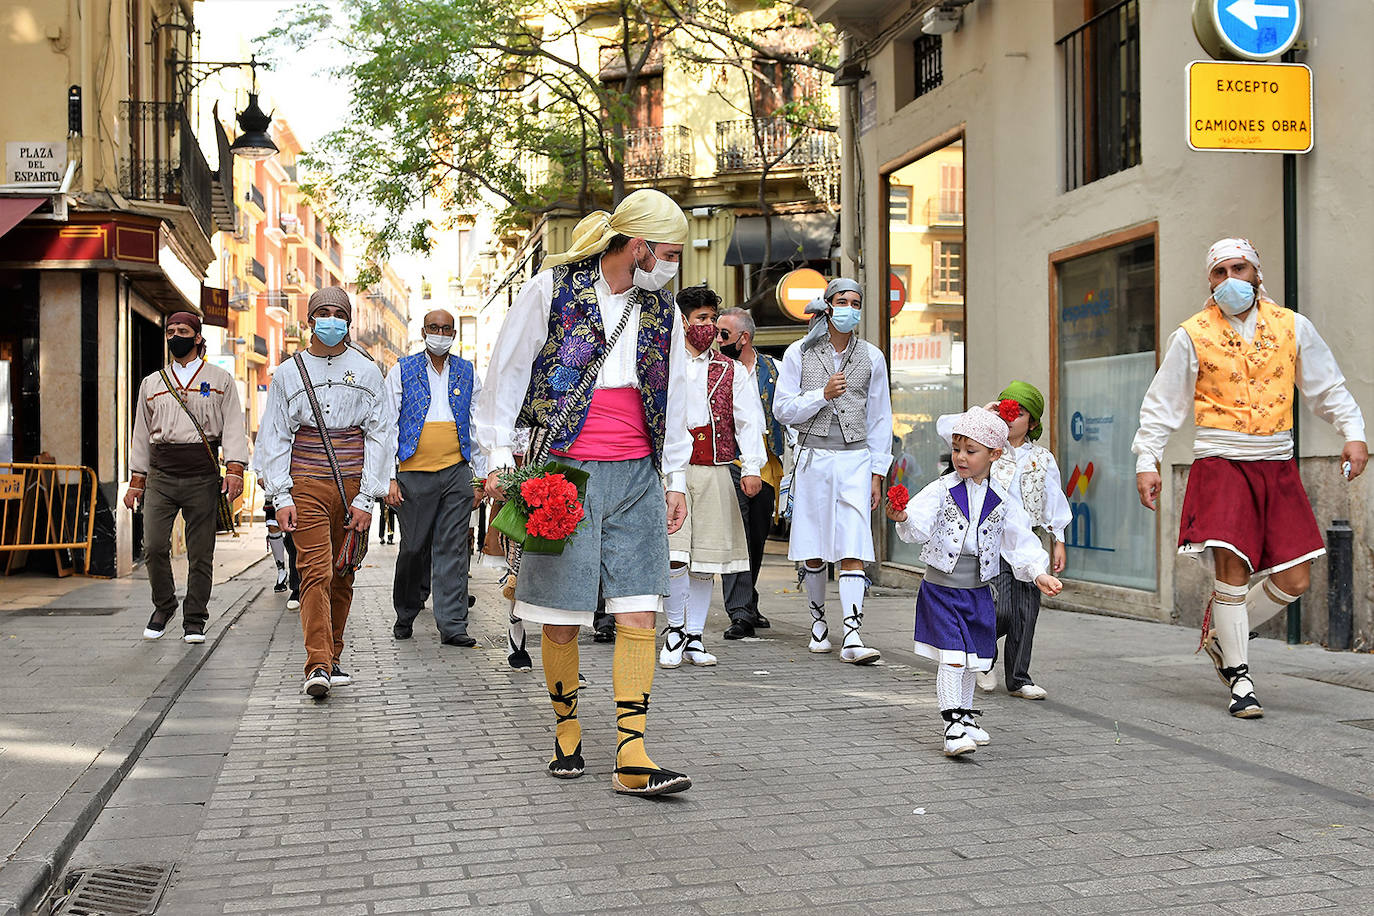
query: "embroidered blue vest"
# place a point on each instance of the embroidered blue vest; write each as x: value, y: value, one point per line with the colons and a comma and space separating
x: 766, y: 371
x: 415, y: 401
x: 577, y: 337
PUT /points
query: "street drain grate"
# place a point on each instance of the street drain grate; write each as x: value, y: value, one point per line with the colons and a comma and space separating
x: 116, y: 890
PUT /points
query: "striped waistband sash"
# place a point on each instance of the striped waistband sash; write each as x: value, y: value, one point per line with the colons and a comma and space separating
x: 308, y: 457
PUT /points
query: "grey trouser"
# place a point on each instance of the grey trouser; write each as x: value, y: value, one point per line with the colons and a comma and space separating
x: 434, y: 514
x: 1018, y: 608
x: 197, y: 499
x: 738, y: 589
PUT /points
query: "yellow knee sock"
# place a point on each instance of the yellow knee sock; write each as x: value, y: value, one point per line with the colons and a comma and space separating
x: 560, y: 673
x: 632, y: 677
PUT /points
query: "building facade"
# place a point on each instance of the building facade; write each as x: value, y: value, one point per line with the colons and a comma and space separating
x: 109, y: 207
x: 1085, y: 219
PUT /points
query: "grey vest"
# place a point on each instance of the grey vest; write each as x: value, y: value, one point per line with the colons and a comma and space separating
x: 851, y: 407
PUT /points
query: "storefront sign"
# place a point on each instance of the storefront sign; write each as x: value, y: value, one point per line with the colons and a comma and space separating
x: 933, y: 351
x: 214, y: 306
x: 1249, y: 108
x: 35, y: 162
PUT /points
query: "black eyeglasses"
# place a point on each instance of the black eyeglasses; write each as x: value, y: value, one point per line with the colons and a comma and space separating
x: 445, y: 329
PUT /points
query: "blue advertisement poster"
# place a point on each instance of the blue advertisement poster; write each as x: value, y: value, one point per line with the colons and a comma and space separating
x: 1111, y: 539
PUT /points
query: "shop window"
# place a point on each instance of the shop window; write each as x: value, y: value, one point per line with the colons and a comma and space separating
x: 1104, y: 320
x: 925, y: 338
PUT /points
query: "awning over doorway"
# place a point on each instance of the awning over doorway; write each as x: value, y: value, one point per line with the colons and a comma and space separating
x: 14, y: 209
x: 797, y: 237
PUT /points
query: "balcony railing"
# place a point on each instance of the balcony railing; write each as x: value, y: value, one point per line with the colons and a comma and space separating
x: 165, y: 164
x: 255, y: 197
x: 755, y: 144
x: 257, y: 270
x: 658, y: 152
x: 1102, y: 120
x: 336, y: 257
x: 945, y: 209
x: 290, y: 225
x: 259, y: 345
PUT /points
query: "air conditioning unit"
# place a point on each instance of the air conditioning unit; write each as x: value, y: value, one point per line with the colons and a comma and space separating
x: 939, y: 20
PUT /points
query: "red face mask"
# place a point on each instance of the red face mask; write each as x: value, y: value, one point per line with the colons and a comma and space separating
x: 701, y: 336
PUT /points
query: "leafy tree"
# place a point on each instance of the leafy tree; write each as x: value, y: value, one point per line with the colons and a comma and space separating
x: 482, y: 102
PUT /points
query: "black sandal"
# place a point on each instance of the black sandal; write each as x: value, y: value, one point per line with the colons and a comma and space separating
x: 661, y: 781
x: 1242, y: 707
x: 565, y: 766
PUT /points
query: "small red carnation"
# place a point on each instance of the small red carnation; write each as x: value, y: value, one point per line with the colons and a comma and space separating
x: 1008, y: 410
x: 897, y: 497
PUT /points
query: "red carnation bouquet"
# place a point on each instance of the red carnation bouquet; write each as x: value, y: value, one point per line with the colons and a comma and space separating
x: 898, y: 497
x: 543, y: 506
x: 1008, y: 409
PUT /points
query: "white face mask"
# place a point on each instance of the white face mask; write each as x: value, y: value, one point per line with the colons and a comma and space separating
x: 658, y: 277
x: 439, y: 344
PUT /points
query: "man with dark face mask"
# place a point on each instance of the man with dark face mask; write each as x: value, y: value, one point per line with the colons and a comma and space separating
x: 176, y: 469
x: 591, y: 356
x: 1232, y: 368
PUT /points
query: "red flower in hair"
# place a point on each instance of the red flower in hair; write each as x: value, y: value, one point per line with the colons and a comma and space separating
x: 897, y: 497
x: 1008, y: 409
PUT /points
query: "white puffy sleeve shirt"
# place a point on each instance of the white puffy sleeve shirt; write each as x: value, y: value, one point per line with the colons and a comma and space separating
x: 1168, y: 402
x: 351, y: 392
x: 1020, y: 547
x: 523, y: 335
x: 793, y: 407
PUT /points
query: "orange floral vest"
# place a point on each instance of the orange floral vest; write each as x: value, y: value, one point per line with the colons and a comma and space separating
x: 1244, y: 385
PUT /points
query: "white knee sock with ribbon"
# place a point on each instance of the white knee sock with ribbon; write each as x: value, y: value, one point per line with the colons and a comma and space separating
x: 675, y: 608
x: 1265, y: 600
x: 698, y: 601
x: 852, y: 585
x: 949, y: 686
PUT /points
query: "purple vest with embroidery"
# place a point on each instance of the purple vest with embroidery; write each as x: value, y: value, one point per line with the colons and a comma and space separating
x: 577, y: 337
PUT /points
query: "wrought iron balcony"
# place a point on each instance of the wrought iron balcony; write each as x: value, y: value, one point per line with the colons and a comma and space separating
x: 164, y: 164
x: 755, y: 144
x: 658, y: 152
x: 257, y: 270
x: 259, y: 345
x: 255, y: 197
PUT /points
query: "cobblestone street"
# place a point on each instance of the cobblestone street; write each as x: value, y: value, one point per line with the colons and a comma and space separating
x: 421, y: 788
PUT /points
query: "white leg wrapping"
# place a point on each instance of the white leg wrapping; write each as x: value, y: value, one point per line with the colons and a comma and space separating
x: 698, y: 601
x: 515, y: 630
x: 970, y: 678
x: 852, y: 586
x: 949, y: 686
x: 1232, y: 623
x: 814, y: 580
x: 1265, y: 600
x: 675, y: 610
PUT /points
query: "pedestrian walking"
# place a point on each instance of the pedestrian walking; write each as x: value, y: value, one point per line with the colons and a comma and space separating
x: 725, y: 420
x: 969, y: 525
x: 833, y: 390
x: 740, y: 590
x: 325, y: 452
x: 591, y: 356
x: 1232, y: 368
x: 431, y: 394
x: 1030, y: 476
x: 185, y: 416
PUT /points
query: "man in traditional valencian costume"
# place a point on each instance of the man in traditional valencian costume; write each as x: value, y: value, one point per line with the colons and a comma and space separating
x: 591, y: 356
x: 725, y: 418
x: 833, y: 391
x: 1233, y: 366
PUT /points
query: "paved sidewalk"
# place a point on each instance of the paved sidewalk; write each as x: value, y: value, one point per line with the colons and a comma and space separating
x: 82, y: 692
x: 819, y: 786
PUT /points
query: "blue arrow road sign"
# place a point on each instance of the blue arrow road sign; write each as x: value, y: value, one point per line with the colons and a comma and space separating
x: 1257, y: 28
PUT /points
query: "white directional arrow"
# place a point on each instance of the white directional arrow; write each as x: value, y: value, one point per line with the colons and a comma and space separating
x: 1251, y: 11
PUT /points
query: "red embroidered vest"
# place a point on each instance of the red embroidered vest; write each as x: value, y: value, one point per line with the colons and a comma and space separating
x: 715, y: 443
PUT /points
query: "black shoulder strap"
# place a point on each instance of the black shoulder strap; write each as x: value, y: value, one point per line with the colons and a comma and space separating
x: 324, y: 431
x: 171, y: 389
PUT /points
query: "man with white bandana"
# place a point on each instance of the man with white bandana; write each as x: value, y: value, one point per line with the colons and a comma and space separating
x: 431, y: 395
x: 1234, y: 365
x: 833, y: 390
x: 592, y: 357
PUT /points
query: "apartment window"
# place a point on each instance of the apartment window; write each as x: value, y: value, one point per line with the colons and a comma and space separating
x: 947, y: 270
x: 929, y: 68
x: 951, y: 199
x: 1102, y: 93
x: 899, y: 204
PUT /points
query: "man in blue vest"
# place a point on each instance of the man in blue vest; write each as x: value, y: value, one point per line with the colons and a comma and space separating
x: 431, y: 487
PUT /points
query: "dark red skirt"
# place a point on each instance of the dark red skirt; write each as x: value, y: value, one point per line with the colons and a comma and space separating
x: 1257, y: 509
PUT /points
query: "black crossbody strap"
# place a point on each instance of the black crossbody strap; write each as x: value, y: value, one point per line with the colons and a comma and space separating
x: 324, y: 431
x: 171, y: 389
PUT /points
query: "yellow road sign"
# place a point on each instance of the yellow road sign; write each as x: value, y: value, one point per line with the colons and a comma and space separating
x: 1250, y: 108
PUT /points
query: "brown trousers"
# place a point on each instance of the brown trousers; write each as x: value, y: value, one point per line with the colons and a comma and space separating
x: 326, y: 596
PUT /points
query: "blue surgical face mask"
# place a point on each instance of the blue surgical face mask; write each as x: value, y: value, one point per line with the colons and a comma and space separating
x: 844, y: 318
x: 330, y: 331
x: 1234, y: 296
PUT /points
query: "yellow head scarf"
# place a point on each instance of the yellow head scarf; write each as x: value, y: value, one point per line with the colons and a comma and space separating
x: 645, y: 214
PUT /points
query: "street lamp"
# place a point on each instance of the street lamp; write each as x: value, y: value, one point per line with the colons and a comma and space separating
x: 254, y: 143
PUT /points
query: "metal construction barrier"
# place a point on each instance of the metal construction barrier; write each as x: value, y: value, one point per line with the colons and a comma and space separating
x: 46, y: 507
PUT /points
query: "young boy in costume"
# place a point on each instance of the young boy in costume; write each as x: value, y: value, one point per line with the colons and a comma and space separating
x: 967, y: 522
